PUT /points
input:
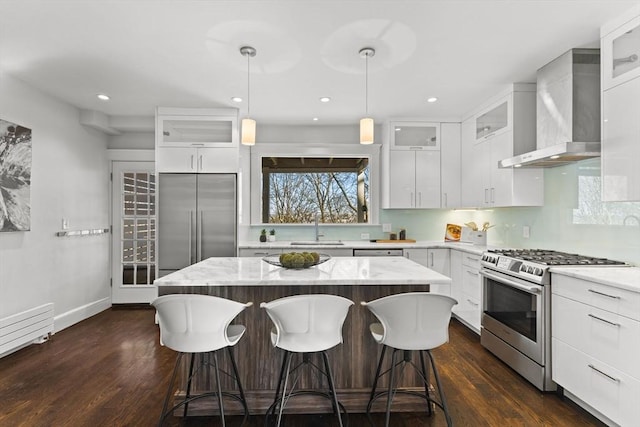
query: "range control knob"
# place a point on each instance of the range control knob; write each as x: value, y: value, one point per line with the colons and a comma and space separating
x: 537, y: 271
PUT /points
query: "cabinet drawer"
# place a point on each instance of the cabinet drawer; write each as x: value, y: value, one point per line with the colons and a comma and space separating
x: 468, y: 310
x: 604, y: 297
x: 258, y: 252
x: 608, y: 337
x: 471, y: 282
x: 470, y: 260
x: 607, y: 390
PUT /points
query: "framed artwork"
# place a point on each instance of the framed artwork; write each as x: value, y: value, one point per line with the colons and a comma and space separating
x: 15, y: 177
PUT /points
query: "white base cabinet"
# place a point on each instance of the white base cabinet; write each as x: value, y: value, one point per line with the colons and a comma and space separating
x: 466, y: 288
x: 436, y: 260
x: 595, y: 345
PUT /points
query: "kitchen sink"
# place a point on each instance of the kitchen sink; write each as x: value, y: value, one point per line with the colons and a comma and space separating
x: 318, y: 243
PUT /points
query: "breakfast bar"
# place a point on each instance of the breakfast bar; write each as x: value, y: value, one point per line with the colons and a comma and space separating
x: 246, y: 279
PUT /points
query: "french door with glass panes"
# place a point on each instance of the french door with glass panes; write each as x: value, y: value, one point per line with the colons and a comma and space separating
x: 134, y: 232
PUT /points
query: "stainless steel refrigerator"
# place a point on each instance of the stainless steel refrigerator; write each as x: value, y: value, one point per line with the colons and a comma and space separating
x: 197, y: 219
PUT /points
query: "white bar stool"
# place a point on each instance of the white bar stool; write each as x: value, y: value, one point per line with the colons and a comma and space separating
x: 306, y: 324
x: 410, y: 321
x: 196, y: 324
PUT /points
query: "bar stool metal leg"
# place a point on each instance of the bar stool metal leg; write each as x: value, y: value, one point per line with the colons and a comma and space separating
x: 443, y: 401
x: 425, y: 378
x: 219, y: 387
x: 332, y: 388
x: 170, y: 388
x: 284, y: 390
x: 239, y: 383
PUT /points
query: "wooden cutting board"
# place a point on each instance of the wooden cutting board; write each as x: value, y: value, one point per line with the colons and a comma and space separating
x: 396, y: 241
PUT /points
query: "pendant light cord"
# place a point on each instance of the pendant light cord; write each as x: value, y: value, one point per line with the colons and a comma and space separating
x: 248, y: 86
x: 366, y: 85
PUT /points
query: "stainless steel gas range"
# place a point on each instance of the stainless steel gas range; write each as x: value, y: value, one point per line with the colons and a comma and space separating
x: 516, y: 318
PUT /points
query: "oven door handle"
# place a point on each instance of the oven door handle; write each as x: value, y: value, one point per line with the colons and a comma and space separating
x: 530, y: 289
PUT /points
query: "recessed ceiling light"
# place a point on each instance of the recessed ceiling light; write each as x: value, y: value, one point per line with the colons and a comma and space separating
x: 517, y: 166
x: 315, y: 119
x: 103, y: 97
x: 554, y: 157
x: 432, y: 99
x: 236, y: 99
x: 325, y: 99
x: 398, y: 129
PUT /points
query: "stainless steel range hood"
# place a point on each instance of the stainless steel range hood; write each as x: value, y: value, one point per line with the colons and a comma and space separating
x: 567, y: 112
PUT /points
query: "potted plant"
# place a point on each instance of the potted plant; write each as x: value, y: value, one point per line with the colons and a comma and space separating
x: 263, y: 235
x: 272, y: 235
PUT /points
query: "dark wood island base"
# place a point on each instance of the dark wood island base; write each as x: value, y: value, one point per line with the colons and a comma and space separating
x: 353, y: 362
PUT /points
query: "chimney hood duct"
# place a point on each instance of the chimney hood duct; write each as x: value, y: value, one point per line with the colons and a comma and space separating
x: 567, y: 112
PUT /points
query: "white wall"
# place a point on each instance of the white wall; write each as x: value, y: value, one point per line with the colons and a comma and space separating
x: 69, y: 179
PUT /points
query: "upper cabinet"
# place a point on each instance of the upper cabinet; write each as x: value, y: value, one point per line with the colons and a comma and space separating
x: 620, y: 47
x: 196, y: 127
x: 493, y: 121
x: 620, y: 50
x: 421, y: 167
x: 414, y: 135
x: 503, y: 128
x: 197, y: 140
x: 450, y: 165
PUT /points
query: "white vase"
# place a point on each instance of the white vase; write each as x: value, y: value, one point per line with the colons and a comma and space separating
x: 271, y: 238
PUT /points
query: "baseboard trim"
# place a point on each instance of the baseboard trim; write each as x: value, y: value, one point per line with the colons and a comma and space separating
x: 76, y: 315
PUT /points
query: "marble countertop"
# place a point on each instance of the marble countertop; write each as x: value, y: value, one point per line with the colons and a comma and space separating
x: 251, y: 271
x: 365, y: 244
x: 621, y: 277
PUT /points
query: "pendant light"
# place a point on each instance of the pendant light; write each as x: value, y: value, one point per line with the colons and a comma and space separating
x: 366, y: 124
x: 248, y: 132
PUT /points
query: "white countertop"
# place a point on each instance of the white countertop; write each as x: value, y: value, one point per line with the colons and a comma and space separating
x: 251, y: 271
x: 620, y: 277
x: 365, y: 244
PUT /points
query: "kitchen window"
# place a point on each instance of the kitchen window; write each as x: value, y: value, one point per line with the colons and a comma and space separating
x: 295, y: 186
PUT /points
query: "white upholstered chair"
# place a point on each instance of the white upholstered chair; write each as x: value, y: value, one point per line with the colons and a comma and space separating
x: 410, y: 321
x: 195, y: 325
x: 306, y: 324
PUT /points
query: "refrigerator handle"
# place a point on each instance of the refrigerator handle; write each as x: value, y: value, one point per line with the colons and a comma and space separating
x: 200, y: 236
x: 190, y: 261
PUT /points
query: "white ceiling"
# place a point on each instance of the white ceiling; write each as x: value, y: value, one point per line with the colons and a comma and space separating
x: 180, y: 53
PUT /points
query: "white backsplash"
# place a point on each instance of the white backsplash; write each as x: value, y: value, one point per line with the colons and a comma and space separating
x: 572, y: 220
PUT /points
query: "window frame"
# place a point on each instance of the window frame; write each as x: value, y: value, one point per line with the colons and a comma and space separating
x: 372, y: 152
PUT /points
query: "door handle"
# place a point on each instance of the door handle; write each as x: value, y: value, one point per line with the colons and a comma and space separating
x: 431, y: 260
x: 200, y: 236
x: 190, y: 261
x: 192, y: 162
x: 200, y: 162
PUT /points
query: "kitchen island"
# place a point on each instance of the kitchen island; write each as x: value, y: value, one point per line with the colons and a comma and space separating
x: 353, y: 362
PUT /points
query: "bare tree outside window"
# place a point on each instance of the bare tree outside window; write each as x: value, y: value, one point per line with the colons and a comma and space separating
x: 296, y: 189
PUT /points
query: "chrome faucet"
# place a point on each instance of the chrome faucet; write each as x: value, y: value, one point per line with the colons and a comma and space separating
x: 317, y: 228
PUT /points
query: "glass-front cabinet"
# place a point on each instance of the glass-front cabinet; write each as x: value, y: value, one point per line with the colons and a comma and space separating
x: 407, y: 135
x: 176, y: 127
x: 621, y: 54
x: 492, y: 121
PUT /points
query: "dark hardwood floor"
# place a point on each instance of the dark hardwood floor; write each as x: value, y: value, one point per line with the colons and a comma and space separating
x: 110, y: 370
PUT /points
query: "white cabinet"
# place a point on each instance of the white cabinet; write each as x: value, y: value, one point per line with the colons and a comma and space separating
x: 621, y: 142
x: 455, y: 266
x: 253, y: 252
x: 450, y: 165
x: 467, y: 288
x: 198, y: 160
x: 620, y: 52
x: 196, y: 140
x: 202, y: 127
x: 504, y: 128
x: 414, y: 179
x: 595, y: 343
x: 414, y: 135
x: 435, y: 259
